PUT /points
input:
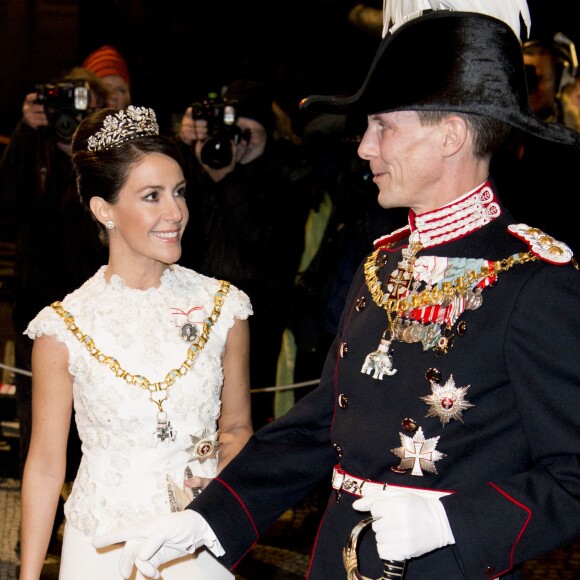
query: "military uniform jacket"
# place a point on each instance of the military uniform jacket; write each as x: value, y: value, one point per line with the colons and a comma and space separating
x: 506, y: 447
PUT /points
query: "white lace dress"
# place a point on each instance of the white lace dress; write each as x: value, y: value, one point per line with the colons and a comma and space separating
x: 122, y: 477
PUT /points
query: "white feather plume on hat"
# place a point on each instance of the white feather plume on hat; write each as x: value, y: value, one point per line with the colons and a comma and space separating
x: 396, y: 12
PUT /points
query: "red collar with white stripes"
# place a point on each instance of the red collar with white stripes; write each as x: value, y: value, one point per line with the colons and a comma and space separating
x: 455, y: 220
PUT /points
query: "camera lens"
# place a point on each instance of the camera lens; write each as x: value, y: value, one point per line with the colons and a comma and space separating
x: 65, y: 125
x: 222, y: 130
x: 217, y: 151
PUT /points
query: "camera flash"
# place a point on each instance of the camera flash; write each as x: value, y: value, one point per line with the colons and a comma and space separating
x: 81, y: 98
x: 229, y: 115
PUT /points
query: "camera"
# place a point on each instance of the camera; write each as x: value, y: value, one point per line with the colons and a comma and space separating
x: 66, y: 104
x: 221, y: 117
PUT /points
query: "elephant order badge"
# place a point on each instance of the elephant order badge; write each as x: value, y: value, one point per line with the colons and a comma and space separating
x: 379, y: 362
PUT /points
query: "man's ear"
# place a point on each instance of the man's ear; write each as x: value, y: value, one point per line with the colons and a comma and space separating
x: 456, y: 131
x: 100, y: 209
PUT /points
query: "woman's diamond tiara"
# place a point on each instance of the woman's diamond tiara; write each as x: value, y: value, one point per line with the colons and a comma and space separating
x: 123, y: 126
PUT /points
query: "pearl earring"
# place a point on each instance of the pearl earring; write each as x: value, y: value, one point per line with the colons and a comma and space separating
x: 109, y: 225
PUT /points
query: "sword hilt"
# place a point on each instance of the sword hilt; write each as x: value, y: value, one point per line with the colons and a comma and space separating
x: 392, y: 570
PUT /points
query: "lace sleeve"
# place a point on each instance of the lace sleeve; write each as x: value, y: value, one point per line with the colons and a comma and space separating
x: 239, y: 304
x: 46, y: 322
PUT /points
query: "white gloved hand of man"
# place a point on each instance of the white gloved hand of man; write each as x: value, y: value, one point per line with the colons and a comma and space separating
x: 407, y: 523
x: 155, y: 541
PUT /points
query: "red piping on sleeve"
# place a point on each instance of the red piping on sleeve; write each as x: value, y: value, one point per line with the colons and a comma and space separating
x: 240, y: 502
x: 229, y: 488
x: 524, y: 526
x: 243, y: 556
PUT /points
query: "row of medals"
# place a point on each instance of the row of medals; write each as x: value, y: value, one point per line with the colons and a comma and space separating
x: 434, y: 335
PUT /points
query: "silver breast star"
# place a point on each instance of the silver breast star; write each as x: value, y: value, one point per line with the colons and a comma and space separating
x: 447, y: 401
x: 203, y: 446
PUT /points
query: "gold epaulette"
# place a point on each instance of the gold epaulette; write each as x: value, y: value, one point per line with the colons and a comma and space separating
x: 542, y: 245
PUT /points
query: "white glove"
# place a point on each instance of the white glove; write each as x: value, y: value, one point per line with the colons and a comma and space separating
x: 407, y: 524
x: 156, y: 541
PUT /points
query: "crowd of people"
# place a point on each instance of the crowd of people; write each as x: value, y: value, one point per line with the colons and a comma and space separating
x: 160, y: 278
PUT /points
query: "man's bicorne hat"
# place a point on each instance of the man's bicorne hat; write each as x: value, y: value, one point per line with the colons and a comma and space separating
x: 444, y: 60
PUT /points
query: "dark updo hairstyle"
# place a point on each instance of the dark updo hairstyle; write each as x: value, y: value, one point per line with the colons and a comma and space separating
x: 103, y: 173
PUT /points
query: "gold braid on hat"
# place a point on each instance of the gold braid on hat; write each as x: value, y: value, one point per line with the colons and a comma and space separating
x: 124, y: 126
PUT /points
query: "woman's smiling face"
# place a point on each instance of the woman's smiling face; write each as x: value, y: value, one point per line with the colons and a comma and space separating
x: 151, y: 212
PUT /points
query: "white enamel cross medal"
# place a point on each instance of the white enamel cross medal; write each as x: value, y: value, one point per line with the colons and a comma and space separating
x: 417, y: 453
x: 165, y: 432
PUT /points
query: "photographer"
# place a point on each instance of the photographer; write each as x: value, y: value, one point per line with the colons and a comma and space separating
x: 107, y: 63
x: 551, y: 66
x: 250, y: 208
x: 57, y: 241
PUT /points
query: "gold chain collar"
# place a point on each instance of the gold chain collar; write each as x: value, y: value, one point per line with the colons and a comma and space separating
x: 139, y: 380
x: 429, y: 297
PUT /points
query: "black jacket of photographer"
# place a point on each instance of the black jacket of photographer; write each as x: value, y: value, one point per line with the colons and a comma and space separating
x: 248, y: 228
x: 57, y: 245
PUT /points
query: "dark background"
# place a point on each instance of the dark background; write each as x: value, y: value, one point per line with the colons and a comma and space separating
x: 178, y: 51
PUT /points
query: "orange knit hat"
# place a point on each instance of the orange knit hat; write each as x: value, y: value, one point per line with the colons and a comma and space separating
x: 107, y: 61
